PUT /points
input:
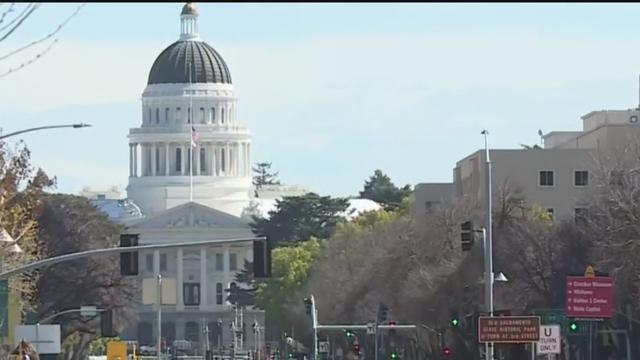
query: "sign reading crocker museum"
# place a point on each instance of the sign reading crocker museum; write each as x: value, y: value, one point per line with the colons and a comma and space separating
x: 509, y: 329
x: 590, y: 297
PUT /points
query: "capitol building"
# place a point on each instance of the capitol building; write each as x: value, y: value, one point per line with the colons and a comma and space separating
x: 190, y: 179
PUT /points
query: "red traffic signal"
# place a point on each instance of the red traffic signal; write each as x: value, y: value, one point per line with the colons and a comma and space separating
x: 446, y: 351
x: 392, y: 324
x: 356, y: 349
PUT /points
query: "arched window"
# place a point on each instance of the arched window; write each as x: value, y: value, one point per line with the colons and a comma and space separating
x: 192, y: 331
x: 222, y: 111
x: 203, y: 161
x: 202, y: 117
x: 178, y: 116
x: 219, y: 293
x: 212, y: 116
x: 157, y: 115
x: 145, y: 333
x: 178, y: 160
x: 166, y: 115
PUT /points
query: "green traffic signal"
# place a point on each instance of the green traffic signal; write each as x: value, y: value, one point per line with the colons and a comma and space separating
x: 394, y: 355
x: 573, y: 326
x: 348, y: 333
x: 455, y: 322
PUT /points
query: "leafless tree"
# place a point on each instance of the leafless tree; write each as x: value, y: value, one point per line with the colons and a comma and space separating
x: 16, y: 15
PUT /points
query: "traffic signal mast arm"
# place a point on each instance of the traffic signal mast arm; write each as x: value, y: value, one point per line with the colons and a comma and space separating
x: 362, y: 327
x: 108, y: 251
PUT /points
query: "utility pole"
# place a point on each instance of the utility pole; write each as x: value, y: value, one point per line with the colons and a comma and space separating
x: 159, y: 297
x: 488, y: 252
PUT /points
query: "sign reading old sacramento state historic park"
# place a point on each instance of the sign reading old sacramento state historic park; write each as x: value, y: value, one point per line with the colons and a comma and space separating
x: 509, y: 329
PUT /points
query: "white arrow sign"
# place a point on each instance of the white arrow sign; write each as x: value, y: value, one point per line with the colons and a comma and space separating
x: 549, y: 340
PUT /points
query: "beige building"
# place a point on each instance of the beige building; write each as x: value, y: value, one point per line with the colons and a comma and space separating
x: 556, y: 177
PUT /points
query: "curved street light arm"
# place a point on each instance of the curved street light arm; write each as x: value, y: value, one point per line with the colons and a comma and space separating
x: 75, y: 126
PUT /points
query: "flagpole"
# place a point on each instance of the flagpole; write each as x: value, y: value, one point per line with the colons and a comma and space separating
x: 192, y: 141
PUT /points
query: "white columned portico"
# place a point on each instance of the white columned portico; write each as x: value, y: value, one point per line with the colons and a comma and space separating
x: 227, y: 160
x: 212, y: 159
x: 130, y: 160
x: 203, y: 278
x: 180, y: 279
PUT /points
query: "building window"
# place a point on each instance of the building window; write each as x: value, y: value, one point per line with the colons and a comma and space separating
x: 233, y: 261
x: 432, y: 206
x: 551, y: 213
x: 178, y: 116
x: 212, y: 115
x: 163, y: 262
x: 219, y: 262
x: 148, y: 115
x: 149, y: 262
x: 188, y: 115
x: 192, y: 331
x: 157, y: 115
x: 166, y: 115
x: 145, y: 333
x: 202, y: 117
x: 157, y: 160
x: 178, y: 160
x: 222, y: 111
x: 219, y: 293
x: 223, y: 164
x: 546, y: 178
x: 581, y: 178
x: 203, y: 161
x: 191, y: 294
x: 580, y: 215
x: 188, y: 165
x: 617, y: 177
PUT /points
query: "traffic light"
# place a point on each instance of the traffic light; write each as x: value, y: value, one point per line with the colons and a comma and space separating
x: 129, y: 260
x: 454, y: 318
x: 261, y: 259
x: 308, y: 305
x: 383, y: 313
x: 356, y: 349
x: 446, y: 352
x: 349, y: 334
x: 467, y: 235
x: 392, y: 324
x: 394, y: 355
x: 106, y: 324
x: 573, y: 326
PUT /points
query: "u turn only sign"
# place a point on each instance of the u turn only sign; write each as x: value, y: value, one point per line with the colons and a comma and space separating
x: 549, y: 340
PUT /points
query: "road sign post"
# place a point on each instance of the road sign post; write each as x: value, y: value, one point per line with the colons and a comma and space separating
x: 371, y: 328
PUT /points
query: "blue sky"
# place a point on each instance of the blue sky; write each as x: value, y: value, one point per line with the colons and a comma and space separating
x: 331, y: 92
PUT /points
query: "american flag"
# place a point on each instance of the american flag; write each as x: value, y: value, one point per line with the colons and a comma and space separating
x: 194, y: 137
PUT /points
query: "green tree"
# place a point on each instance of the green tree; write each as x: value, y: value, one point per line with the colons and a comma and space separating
x: 298, y: 218
x: 69, y: 223
x: 381, y: 189
x: 264, y: 176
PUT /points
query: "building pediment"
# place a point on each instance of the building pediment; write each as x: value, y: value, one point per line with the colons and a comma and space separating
x: 191, y: 216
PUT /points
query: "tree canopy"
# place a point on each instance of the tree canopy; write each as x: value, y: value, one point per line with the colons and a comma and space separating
x: 298, y: 218
x: 382, y: 190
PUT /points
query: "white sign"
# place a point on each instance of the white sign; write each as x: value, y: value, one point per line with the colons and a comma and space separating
x: 44, y: 338
x: 88, y: 311
x: 323, y: 347
x: 371, y: 328
x: 549, y: 340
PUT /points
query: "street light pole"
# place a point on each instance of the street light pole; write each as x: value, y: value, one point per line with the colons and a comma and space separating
x: 159, y: 296
x: 75, y: 126
x: 488, y: 253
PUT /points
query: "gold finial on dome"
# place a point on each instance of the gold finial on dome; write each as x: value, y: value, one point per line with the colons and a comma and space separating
x: 189, y: 9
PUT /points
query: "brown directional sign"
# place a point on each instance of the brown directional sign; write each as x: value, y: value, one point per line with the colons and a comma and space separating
x: 509, y: 329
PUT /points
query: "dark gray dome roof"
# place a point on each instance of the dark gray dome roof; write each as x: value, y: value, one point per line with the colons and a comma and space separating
x: 189, y: 9
x: 172, y: 65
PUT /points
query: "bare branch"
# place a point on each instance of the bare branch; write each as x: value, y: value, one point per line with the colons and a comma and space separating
x: 4, y: 13
x: 34, y: 59
x: 46, y: 37
x: 20, y: 19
